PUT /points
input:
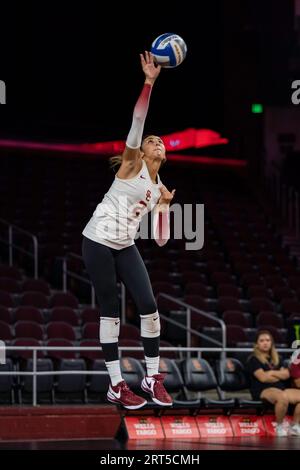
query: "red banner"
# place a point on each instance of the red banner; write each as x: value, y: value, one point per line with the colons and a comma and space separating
x: 247, y: 426
x: 270, y: 424
x: 144, y: 427
x: 180, y: 427
x: 213, y: 426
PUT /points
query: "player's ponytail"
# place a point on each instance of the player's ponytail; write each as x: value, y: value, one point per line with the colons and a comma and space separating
x: 115, y: 161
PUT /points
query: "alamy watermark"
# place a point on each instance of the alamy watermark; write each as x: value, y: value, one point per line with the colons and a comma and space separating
x: 121, y: 222
x: 295, y: 97
x: 2, y: 92
x: 2, y: 353
x: 295, y: 357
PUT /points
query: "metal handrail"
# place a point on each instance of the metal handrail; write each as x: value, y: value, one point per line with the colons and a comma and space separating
x: 188, y: 328
x: 11, y: 245
x: 67, y: 272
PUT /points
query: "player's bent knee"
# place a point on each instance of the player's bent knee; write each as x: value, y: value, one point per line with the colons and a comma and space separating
x: 150, y: 325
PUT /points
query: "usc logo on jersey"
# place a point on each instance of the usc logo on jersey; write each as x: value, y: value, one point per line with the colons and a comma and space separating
x: 148, y: 195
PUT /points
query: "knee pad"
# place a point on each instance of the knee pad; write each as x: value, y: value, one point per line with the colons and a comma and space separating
x: 150, y: 325
x: 109, y: 329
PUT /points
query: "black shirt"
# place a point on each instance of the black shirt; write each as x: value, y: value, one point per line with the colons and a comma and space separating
x: 256, y: 387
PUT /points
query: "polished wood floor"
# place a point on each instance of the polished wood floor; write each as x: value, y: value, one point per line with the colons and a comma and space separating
x: 246, y: 443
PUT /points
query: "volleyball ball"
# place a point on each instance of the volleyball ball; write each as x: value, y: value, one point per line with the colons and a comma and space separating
x: 169, y: 50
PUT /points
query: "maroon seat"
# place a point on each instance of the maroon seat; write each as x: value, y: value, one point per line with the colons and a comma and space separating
x: 29, y: 329
x: 270, y: 319
x: 283, y: 292
x: 166, y: 305
x: 129, y: 332
x: 133, y: 343
x: 166, y: 288
x: 258, y: 291
x: 236, y: 317
x: 267, y: 270
x: 36, y: 285
x: 163, y: 264
x: 10, y: 285
x: 235, y: 334
x: 290, y: 306
x: 27, y: 342
x: 90, y: 315
x: 63, y: 299
x: 196, y: 301
x: 228, y: 303
x: 5, y: 315
x: 60, y: 330
x: 5, y: 331
x: 34, y: 299
x: 10, y: 271
x: 64, y: 314
x: 192, y: 276
x: 259, y: 304
x: 91, y: 355
x: 274, y: 281
x: 244, y: 268
x: 158, y: 275
x: 29, y: 314
x: 228, y: 290
x: 61, y: 354
x: 6, y: 299
x: 91, y: 330
x: 197, y: 288
x: 185, y: 264
x: 294, y: 282
x: 252, y: 280
x: 217, y: 266
x: 222, y: 278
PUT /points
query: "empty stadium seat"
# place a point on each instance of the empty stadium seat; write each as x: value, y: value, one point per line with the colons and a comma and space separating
x: 64, y: 314
x: 10, y: 285
x: 70, y: 388
x: 28, y: 314
x: 34, y: 299
x: 63, y: 299
x: 91, y: 331
x: 29, y: 329
x: 60, y: 329
x: 232, y: 377
x: 6, y: 333
x: 44, y: 383
x: 5, y: 315
x: 90, y: 315
x: 36, y: 285
x: 200, y: 377
x: 6, y: 299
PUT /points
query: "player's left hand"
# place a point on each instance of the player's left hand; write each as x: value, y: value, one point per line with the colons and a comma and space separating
x: 166, y: 196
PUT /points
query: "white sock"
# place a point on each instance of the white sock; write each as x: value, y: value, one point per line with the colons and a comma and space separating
x: 152, y: 365
x: 114, y: 371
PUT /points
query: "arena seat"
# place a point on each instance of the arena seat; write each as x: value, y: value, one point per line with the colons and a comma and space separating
x: 199, y: 377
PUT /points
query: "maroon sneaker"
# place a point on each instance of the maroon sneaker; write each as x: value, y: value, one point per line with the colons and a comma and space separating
x: 122, y: 395
x: 154, y: 386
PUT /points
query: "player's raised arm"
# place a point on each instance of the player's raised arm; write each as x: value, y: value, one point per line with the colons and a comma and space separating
x: 131, y: 154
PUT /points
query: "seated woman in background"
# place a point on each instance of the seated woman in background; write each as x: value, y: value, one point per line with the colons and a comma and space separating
x: 268, y: 381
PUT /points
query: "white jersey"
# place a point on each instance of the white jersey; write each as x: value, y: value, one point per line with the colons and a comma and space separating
x: 116, y: 219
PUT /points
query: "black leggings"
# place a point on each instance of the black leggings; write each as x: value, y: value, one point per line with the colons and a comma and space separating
x: 105, y: 264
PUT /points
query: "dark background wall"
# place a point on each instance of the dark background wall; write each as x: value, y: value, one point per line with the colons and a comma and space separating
x: 72, y: 69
